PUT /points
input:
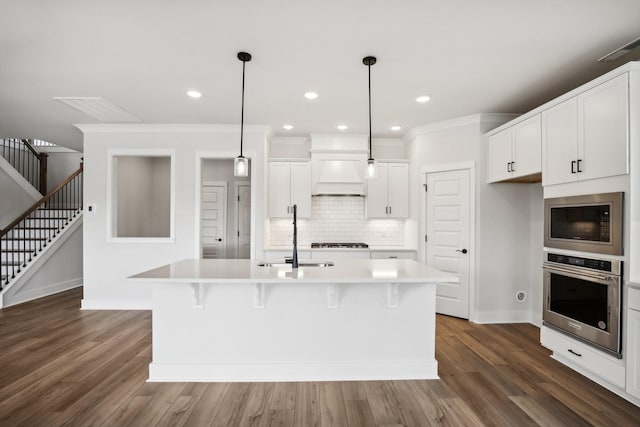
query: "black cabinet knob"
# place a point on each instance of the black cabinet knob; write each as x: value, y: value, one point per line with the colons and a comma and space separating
x: 220, y: 240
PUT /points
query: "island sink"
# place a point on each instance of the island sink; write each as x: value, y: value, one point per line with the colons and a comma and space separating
x: 300, y: 264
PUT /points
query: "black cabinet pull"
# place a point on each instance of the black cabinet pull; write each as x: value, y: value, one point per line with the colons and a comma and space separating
x: 573, y: 352
x: 573, y: 166
x: 508, y: 166
x: 513, y: 166
x: 579, y: 161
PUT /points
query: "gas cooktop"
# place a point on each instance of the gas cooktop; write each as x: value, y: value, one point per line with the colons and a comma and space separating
x: 339, y: 245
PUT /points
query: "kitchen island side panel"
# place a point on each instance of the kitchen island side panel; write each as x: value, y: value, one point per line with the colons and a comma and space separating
x: 297, y: 336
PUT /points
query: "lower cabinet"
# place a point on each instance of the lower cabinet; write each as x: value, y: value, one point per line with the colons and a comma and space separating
x: 277, y: 255
x: 393, y: 255
x: 633, y: 342
x: 583, y: 358
x: 331, y: 255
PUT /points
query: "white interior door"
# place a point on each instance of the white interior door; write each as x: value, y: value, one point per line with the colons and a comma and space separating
x: 448, y: 237
x: 244, y: 221
x: 213, y: 221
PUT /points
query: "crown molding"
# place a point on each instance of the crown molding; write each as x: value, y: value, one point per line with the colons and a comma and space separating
x: 178, y: 128
x: 472, y: 119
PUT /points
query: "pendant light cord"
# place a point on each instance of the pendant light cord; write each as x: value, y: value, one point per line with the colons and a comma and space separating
x: 370, y: 151
x: 242, y: 114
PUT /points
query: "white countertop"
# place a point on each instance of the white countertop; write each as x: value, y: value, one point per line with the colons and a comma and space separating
x: 248, y: 271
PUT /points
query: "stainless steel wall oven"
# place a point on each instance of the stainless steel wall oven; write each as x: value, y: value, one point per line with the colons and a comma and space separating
x: 591, y: 223
x: 582, y: 298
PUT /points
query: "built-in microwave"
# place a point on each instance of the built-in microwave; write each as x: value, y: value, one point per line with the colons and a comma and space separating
x: 590, y: 223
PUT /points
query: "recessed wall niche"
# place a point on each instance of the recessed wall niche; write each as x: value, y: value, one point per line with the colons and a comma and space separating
x: 141, y: 196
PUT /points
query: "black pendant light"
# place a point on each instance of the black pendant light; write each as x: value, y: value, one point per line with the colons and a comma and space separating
x: 371, y: 163
x: 241, y: 163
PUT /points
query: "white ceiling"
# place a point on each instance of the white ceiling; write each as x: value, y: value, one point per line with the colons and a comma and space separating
x: 471, y: 56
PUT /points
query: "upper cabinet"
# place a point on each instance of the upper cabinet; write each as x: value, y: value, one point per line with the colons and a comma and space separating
x: 586, y: 137
x: 388, y: 192
x: 289, y: 184
x: 515, y: 152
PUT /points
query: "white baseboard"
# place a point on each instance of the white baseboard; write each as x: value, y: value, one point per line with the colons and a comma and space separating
x: 41, y: 292
x: 483, y: 317
x: 294, y: 371
x: 115, y: 304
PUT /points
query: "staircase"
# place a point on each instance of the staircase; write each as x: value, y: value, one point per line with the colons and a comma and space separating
x: 29, y: 235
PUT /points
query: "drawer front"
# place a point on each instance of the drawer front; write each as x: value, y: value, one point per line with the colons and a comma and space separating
x: 633, y: 299
x: 598, y: 363
x: 393, y: 254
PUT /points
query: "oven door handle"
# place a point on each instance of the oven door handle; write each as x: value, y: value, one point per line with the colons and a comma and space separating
x: 581, y: 272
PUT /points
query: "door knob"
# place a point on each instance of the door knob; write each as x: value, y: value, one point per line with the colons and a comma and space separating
x: 464, y: 251
x: 220, y: 240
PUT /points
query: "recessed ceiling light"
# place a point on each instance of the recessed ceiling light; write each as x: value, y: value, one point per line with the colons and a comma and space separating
x: 396, y: 128
x: 311, y: 95
x: 287, y: 127
x: 342, y: 127
x: 422, y: 99
x: 194, y: 94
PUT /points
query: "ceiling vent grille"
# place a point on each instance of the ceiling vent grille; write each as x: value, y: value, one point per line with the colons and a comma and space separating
x: 621, y: 51
x: 98, y: 108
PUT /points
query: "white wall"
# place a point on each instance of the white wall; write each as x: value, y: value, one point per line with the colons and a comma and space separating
x: 60, y: 164
x: 221, y: 170
x: 338, y: 219
x: 14, y: 200
x: 142, y: 200
x: 503, y: 214
x: 107, y: 264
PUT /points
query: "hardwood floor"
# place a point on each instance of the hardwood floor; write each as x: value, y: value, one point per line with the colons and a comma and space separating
x: 62, y: 366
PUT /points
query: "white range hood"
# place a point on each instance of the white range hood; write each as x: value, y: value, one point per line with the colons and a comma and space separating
x: 338, y: 164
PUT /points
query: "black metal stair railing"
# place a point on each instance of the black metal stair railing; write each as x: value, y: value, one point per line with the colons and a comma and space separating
x: 31, y: 164
x: 23, y: 239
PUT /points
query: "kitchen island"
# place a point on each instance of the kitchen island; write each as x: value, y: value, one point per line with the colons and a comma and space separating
x: 233, y: 320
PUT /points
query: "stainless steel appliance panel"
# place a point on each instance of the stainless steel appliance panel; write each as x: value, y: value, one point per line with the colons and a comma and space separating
x: 584, y: 302
x: 590, y: 223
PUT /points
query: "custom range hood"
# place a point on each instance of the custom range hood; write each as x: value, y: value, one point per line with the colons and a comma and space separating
x: 338, y: 164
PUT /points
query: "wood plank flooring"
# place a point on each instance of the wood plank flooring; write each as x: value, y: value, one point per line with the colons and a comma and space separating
x: 60, y: 366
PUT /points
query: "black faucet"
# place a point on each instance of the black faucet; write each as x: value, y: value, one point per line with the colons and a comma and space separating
x: 294, y: 262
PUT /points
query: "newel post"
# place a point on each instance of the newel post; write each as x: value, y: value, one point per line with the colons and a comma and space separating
x: 43, y: 172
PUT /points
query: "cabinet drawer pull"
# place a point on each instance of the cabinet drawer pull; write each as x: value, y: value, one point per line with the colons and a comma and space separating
x: 508, y: 166
x: 578, y: 164
x: 576, y: 353
x: 573, y: 166
x: 513, y: 166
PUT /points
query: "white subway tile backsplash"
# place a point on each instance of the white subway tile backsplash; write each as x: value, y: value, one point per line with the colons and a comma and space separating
x: 338, y: 219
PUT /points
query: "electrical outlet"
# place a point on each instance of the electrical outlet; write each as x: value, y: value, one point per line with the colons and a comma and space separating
x: 91, y: 208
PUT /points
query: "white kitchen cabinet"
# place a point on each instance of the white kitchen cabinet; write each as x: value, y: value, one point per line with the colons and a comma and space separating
x: 586, y: 137
x: 516, y: 151
x: 333, y: 254
x: 388, y: 192
x: 633, y: 343
x: 583, y: 357
x: 393, y: 254
x: 289, y: 184
x: 281, y: 254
